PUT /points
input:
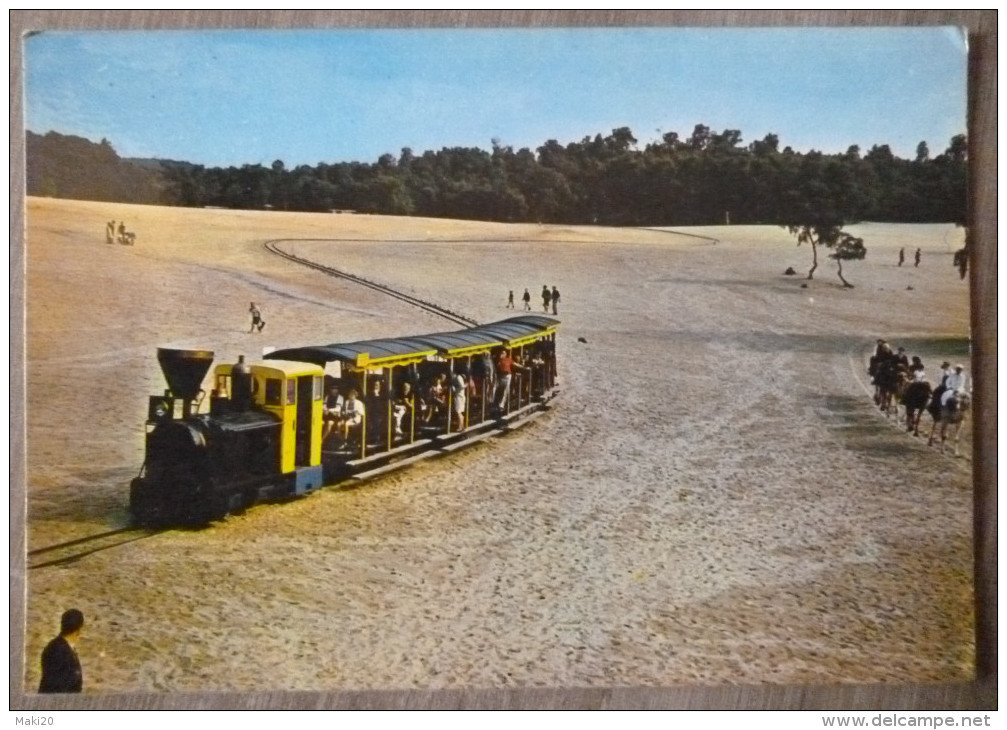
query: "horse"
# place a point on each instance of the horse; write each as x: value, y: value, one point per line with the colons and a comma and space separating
x: 915, y: 398
x: 949, y: 413
x: 886, y: 380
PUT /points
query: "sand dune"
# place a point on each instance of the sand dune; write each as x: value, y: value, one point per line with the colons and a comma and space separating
x: 714, y: 500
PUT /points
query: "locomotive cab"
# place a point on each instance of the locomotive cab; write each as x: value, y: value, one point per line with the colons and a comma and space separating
x: 291, y: 391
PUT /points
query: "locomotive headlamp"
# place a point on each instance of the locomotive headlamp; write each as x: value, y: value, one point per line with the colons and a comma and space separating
x: 160, y: 408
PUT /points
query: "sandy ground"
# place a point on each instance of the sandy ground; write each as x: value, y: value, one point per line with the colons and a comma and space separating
x: 715, y: 499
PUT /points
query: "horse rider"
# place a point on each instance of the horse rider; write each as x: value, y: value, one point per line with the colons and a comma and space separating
x: 954, y: 384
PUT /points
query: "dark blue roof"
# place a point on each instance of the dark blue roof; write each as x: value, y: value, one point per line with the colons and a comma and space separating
x: 481, y: 336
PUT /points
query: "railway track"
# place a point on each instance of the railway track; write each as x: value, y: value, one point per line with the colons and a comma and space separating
x: 273, y: 247
x: 66, y: 553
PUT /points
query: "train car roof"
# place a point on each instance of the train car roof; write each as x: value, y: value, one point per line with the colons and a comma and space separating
x: 368, y: 353
x: 286, y: 367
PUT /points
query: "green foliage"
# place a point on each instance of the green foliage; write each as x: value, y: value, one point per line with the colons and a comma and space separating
x: 842, y: 245
x: 705, y: 178
x: 848, y: 248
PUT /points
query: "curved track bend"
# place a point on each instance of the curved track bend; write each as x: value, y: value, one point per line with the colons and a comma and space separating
x: 273, y: 247
x: 73, y: 550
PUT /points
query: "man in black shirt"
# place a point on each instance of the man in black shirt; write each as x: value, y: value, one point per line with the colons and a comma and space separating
x: 61, y: 671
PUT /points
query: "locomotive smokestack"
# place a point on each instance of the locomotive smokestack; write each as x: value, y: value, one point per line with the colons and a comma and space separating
x: 241, y: 385
x: 184, y: 370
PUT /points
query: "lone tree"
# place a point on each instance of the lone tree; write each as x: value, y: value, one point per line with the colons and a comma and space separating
x: 822, y: 196
x: 844, y: 246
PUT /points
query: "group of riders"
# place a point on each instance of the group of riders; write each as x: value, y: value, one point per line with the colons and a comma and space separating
x: 126, y: 238
x: 901, y: 380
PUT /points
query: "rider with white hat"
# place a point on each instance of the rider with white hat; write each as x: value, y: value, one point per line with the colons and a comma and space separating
x: 955, y: 383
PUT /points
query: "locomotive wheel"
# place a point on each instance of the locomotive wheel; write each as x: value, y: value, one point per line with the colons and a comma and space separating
x: 145, y: 508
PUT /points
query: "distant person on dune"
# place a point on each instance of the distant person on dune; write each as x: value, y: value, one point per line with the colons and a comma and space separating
x: 526, y: 298
x: 510, y: 299
x: 555, y: 300
x: 919, y: 255
x: 902, y: 256
x: 257, y: 321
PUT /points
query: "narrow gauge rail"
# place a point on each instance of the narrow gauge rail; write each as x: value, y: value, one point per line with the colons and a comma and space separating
x: 73, y: 550
x: 264, y: 435
x: 273, y: 247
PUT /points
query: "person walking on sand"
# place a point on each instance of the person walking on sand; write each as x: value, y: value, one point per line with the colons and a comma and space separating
x: 257, y: 321
x: 526, y: 298
x: 555, y: 300
x: 510, y: 299
x: 902, y: 256
x: 919, y: 255
x: 61, y: 670
x: 546, y: 298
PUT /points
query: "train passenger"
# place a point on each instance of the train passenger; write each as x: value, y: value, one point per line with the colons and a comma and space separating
x: 459, y: 391
x: 404, y: 406
x: 352, y: 415
x: 376, y: 407
x: 332, y: 409
x: 485, y: 373
x: 436, y: 399
x: 505, y: 367
x: 537, y: 365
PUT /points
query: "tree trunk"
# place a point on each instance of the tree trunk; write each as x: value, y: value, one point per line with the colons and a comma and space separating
x: 846, y: 284
x: 814, y: 259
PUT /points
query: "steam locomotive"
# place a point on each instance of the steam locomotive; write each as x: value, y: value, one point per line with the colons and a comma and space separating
x: 262, y: 436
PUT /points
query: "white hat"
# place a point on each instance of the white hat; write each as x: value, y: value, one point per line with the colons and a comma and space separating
x: 959, y: 366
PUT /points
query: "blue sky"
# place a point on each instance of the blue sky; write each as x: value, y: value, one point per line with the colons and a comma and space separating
x: 224, y: 98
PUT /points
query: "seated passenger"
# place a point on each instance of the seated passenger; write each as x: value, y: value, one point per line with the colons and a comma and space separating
x: 404, y: 406
x: 437, y: 399
x: 352, y: 414
x: 332, y: 409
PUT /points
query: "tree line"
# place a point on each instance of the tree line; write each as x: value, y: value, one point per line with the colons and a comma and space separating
x: 705, y: 178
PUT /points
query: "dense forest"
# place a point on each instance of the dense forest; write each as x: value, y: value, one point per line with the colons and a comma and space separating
x: 706, y: 178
